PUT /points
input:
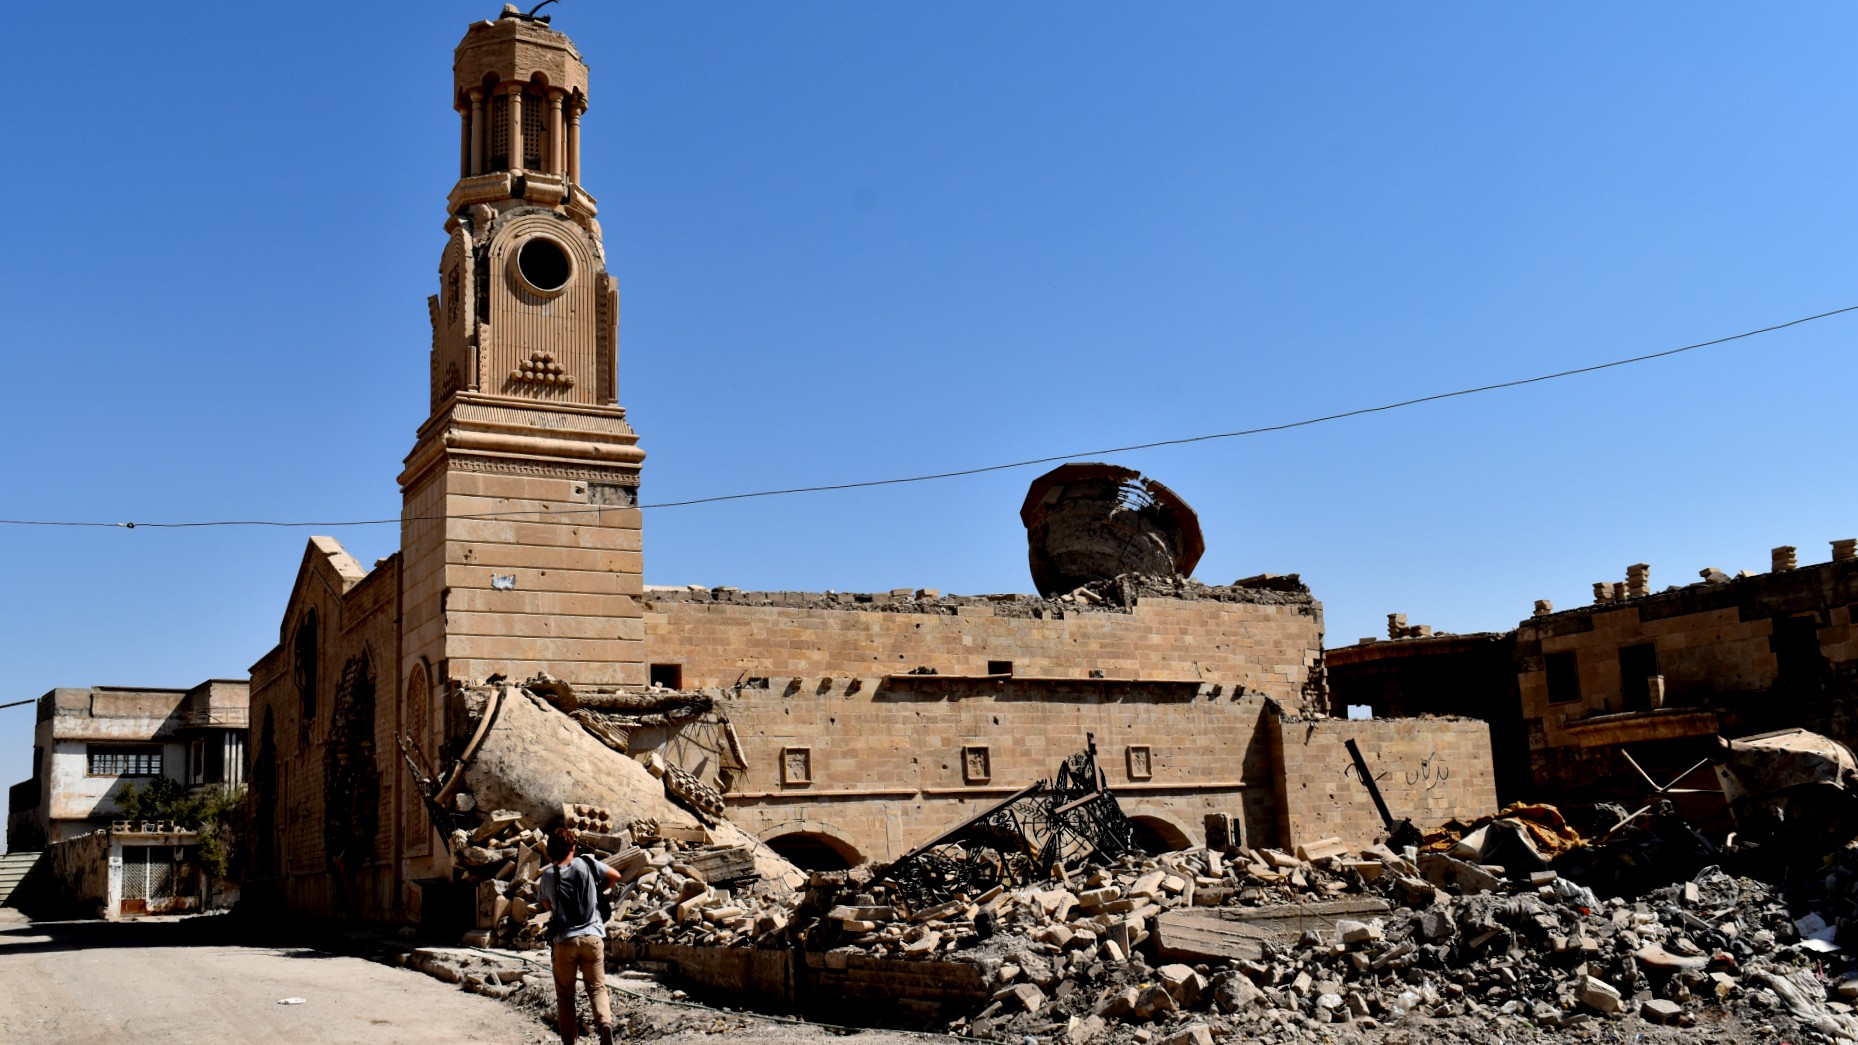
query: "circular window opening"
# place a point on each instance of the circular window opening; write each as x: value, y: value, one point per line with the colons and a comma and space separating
x: 544, y: 264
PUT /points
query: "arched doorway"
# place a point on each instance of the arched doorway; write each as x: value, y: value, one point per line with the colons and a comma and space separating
x: 1155, y: 836
x: 814, y: 851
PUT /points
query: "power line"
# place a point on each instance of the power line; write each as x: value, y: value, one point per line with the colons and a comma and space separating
x: 958, y: 473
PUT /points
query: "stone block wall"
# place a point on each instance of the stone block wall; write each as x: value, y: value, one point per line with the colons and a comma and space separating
x: 1467, y: 676
x: 1428, y: 769
x: 1737, y: 655
x: 1269, y: 643
x: 328, y: 767
x: 554, y: 591
x: 876, y: 768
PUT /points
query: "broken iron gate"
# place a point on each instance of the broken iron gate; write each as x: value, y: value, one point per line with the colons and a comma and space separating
x: 1024, y: 838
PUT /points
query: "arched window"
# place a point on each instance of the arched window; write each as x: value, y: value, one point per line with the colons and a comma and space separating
x: 303, y: 663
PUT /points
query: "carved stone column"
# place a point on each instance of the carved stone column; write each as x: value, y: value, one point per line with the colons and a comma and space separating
x: 574, y: 140
x: 477, y: 131
x: 516, y: 127
x: 553, y: 161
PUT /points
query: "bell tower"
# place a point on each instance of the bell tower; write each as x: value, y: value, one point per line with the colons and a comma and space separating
x: 520, y: 524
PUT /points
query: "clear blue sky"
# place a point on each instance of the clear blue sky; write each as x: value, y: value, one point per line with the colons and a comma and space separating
x: 858, y: 240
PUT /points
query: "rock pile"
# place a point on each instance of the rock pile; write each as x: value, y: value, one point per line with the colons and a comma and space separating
x: 1472, y: 954
x: 674, y: 884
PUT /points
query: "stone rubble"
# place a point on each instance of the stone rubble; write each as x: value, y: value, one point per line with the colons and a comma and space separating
x: 674, y: 885
x: 1235, y: 943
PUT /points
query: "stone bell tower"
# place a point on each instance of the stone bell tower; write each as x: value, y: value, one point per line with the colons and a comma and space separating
x: 520, y: 521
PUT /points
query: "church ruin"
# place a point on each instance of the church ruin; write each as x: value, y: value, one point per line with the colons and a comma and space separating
x: 838, y: 728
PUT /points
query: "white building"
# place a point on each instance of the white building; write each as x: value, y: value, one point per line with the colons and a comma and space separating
x: 89, y: 743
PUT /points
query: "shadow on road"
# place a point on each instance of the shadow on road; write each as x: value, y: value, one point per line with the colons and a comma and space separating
x: 196, y: 931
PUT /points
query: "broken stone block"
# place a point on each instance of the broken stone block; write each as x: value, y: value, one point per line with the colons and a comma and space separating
x: 1321, y: 849
x: 1086, y: 1030
x: 1437, y: 923
x: 1193, y: 1034
x: 1414, y: 892
x: 1452, y: 873
x: 1600, y: 995
x: 1182, y: 983
x: 1233, y: 991
x: 926, y: 944
x: 1028, y: 996
x: 1147, y: 885
x: 1659, y: 1010
x: 1352, y: 933
x: 1117, y: 1003
x: 1654, y: 956
x: 1155, y: 1003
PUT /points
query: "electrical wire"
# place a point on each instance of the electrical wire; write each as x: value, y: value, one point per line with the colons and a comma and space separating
x: 981, y: 470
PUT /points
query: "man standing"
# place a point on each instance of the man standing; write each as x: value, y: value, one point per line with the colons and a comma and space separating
x: 569, y: 892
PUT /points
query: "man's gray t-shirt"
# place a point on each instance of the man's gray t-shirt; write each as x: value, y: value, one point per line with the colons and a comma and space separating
x: 578, y: 883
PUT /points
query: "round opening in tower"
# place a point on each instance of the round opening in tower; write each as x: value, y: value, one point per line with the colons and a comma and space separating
x: 544, y: 264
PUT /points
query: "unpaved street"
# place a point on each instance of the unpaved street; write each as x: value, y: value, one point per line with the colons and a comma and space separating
x: 177, y: 981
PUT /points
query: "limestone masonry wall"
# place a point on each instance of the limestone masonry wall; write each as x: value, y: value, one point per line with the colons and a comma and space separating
x: 1428, y: 769
x: 1269, y: 643
x: 876, y: 768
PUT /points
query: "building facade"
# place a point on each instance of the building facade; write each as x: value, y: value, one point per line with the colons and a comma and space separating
x: 89, y: 743
x: 1657, y: 675
x: 840, y: 728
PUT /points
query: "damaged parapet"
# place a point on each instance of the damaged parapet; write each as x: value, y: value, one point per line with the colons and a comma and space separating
x: 1088, y: 522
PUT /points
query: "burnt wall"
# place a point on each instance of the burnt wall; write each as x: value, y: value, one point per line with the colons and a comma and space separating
x: 1756, y: 653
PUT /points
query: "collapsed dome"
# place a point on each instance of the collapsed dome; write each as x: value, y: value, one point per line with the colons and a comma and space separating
x: 1091, y: 521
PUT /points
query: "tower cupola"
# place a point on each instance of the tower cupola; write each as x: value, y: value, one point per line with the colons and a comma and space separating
x: 525, y: 308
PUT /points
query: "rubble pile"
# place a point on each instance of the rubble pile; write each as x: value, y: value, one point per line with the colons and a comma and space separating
x: 675, y: 884
x: 1486, y: 931
x: 1325, y: 946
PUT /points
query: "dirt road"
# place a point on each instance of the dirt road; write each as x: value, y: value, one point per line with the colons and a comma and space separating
x: 180, y: 981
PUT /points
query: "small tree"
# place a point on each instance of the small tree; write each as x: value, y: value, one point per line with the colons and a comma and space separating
x: 221, y: 819
x: 162, y: 798
x: 217, y: 813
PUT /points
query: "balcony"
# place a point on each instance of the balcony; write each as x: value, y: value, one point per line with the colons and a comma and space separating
x: 217, y: 718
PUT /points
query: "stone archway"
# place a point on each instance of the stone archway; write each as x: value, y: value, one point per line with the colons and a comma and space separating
x: 812, y: 845
x: 1157, y: 832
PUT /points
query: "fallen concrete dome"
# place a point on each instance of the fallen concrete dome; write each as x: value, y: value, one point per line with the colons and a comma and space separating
x: 534, y: 760
x: 1089, y: 521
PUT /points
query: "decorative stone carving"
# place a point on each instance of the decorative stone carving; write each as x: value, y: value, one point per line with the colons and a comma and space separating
x: 541, y: 371
x: 1141, y: 766
x: 976, y: 764
x: 796, y: 766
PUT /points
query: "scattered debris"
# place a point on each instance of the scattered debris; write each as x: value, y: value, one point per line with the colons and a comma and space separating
x: 1029, y: 836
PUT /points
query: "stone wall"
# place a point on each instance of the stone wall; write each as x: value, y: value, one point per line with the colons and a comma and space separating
x: 1428, y: 769
x: 1468, y: 676
x: 80, y: 870
x: 1735, y: 655
x: 836, y: 987
x: 327, y: 780
x: 876, y: 767
x: 1268, y: 642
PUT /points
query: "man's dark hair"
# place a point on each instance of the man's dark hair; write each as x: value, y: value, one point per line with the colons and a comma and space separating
x: 561, y: 842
